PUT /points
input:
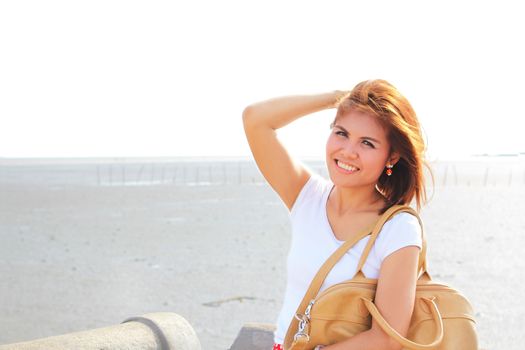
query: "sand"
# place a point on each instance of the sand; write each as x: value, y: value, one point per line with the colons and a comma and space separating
x: 78, y: 251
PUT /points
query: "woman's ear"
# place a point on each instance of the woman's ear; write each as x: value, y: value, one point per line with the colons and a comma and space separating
x: 394, y: 158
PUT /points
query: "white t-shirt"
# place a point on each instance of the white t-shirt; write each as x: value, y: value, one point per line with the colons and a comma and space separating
x: 313, y: 241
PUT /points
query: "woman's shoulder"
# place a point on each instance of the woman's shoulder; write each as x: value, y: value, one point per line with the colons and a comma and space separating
x: 318, y: 179
x: 313, y: 190
x: 403, y: 218
x: 402, y: 230
x: 403, y: 222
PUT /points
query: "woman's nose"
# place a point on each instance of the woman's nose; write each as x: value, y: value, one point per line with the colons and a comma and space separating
x: 350, y: 150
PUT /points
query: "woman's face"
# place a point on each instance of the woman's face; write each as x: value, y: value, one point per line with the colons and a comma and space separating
x: 357, y: 150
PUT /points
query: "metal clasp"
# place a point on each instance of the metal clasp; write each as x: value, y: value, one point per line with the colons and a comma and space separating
x: 303, y: 322
x: 309, y: 308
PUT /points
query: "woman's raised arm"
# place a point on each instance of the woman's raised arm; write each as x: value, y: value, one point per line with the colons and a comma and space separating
x: 285, y: 174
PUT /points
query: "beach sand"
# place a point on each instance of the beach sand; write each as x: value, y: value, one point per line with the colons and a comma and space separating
x: 77, y: 256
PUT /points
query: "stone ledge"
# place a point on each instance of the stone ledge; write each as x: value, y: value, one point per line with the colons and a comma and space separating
x: 154, y: 331
x: 254, y: 336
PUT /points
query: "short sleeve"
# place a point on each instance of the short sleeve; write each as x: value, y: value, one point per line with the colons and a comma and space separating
x: 310, y: 189
x: 401, y: 231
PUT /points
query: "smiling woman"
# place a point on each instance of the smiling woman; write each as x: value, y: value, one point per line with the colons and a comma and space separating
x: 375, y: 158
x: 354, y: 153
x: 385, y: 125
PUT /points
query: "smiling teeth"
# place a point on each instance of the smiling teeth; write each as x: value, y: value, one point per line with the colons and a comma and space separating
x: 346, y: 166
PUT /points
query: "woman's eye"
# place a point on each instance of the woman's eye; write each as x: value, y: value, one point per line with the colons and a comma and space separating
x: 341, y: 133
x: 369, y: 144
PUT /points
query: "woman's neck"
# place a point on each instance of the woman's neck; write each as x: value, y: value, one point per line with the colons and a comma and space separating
x: 347, y: 200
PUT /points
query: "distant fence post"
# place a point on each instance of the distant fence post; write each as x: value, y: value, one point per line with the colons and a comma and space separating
x: 152, y: 177
x: 174, y: 177
x: 224, y: 173
x: 239, y: 170
x: 197, y: 173
x: 98, y: 174
x: 140, y: 173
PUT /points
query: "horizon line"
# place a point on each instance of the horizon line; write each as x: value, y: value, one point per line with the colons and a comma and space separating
x: 106, y: 159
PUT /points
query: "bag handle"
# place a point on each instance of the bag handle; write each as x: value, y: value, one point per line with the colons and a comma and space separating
x: 325, y: 269
x: 436, y: 315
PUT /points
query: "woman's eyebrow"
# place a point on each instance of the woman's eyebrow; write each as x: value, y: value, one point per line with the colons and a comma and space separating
x: 362, y: 138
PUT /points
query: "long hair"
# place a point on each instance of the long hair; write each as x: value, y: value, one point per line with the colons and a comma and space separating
x: 381, y: 99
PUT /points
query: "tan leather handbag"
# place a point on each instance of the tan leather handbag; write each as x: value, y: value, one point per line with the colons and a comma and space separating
x: 442, y: 318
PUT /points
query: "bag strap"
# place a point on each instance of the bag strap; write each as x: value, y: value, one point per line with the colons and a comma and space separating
x: 422, y: 264
x: 325, y: 269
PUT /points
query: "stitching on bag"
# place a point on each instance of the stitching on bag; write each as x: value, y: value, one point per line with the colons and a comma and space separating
x: 467, y: 317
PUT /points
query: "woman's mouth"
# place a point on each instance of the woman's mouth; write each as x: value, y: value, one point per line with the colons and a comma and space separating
x: 345, y: 167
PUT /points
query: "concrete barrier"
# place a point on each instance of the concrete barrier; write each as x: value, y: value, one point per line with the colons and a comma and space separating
x: 162, y: 331
x: 254, y: 336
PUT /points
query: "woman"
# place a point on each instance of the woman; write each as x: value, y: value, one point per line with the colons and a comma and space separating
x: 374, y: 157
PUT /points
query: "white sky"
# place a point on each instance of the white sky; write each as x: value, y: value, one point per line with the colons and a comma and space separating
x: 171, y: 78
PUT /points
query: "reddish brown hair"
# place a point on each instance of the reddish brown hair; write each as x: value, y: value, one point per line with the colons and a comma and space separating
x: 393, y: 111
